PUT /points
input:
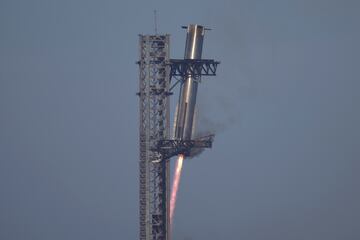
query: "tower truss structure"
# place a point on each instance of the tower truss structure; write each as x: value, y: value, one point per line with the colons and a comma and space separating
x: 154, y: 126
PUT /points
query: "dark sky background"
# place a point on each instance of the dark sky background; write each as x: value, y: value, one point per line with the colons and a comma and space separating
x: 285, y: 107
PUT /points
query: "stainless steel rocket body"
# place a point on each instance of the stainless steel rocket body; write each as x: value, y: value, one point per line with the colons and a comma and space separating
x: 188, y: 89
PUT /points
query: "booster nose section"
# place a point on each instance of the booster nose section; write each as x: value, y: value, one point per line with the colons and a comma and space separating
x: 194, y: 42
x: 189, y: 85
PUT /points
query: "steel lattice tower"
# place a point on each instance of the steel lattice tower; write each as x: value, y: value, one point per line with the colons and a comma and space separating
x: 154, y: 126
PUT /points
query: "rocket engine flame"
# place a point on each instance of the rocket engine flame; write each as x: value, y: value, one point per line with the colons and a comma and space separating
x: 175, y: 186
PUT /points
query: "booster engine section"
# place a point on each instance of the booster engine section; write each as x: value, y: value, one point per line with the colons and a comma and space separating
x: 188, y: 88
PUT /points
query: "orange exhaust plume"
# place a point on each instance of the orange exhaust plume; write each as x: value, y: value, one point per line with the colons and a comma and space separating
x: 175, y: 186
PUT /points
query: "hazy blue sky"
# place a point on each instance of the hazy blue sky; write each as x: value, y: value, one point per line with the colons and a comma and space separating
x: 285, y: 105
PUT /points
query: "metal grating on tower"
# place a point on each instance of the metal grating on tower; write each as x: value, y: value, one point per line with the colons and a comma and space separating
x: 154, y: 126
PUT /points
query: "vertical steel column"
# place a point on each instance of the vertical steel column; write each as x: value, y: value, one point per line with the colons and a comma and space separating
x: 154, y: 126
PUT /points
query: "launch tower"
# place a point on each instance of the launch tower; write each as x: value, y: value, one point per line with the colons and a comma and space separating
x: 154, y: 126
x: 156, y: 145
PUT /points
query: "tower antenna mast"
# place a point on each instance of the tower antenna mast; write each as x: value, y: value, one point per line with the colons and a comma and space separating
x: 155, y: 22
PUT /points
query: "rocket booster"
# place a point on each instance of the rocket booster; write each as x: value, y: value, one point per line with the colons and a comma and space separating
x: 188, y: 90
